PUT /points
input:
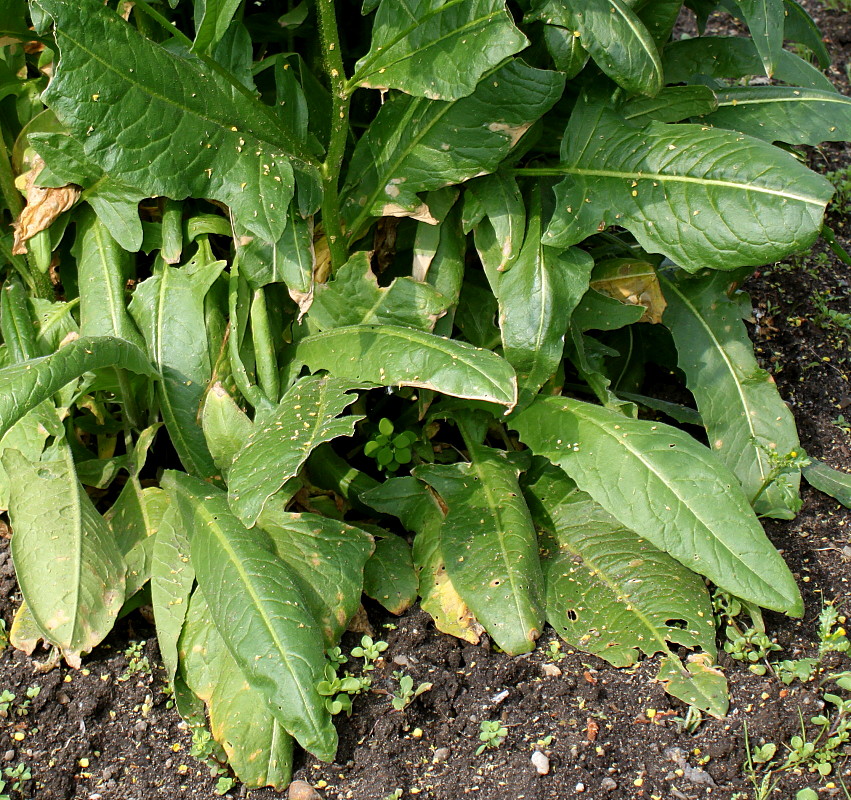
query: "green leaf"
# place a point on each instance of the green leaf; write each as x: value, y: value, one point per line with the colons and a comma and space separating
x: 697, y: 684
x: 672, y: 104
x: 28, y: 436
x: 389, y: 575
x: 28, y: 384
x: 326, y: 559
x: 16, y: 323
x: 192, y: 133
x: 599, y: 312
x: 799, y: 27
x: 669, y: 489
x: 614, y: 36
x: 172, y: 577
x: 257, y: 746
x: 500, y: 239
x: 259, y: 611
x: 168, y: 307
x: 354, y: 297
x: 226, y: 427
x: 67, y: 563
x: 830, y: 481
x: 212, y: 18
x: 417, y: 507
x: 388, y: 355
x: 783, y: 114
x: 702, y: 197
x: 746, y: 419
x: 103, y: 269
x: 610, y: 592
x: 735, y: 57
x: 283, y: 438
x: 490, y: 546
x: 765, y: 20
x: 551, y: 283
x: 415, y: 145
x: 437, y: 49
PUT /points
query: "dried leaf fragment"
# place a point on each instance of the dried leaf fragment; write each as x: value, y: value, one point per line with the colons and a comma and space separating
x: 43, y: 206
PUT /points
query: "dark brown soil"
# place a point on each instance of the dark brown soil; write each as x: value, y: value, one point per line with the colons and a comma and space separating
x: 106, y: 732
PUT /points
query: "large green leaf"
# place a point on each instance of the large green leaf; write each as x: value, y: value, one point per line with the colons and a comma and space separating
x: 784, y: 114
x: 259, y: 611
x: 281, y: 441
x: 415, y: 145
x: 28, y: 436
x: 437, y: 49
x: 499, y: 239
x: 417, y: 507
x: 389, y: 575
x: 169, y: 310
x: 536, y: 298
x: 830, y: 481
x: 702, y: 197
x: 354, y: 297
x: 388, y: 355
x: 765, y: 22
x: 167, y: 122
x: 67, y: 562
x: 226, y: 427
x: 212, y: 18
x: 27, y: 384
x: 669, y: 489
x: 489, y: 545
x: 614, y: 36
x: 609, y: 591
x: 745, y: 417
x: 172, y: 577
x: 257, y: 746
x: 326, y: 558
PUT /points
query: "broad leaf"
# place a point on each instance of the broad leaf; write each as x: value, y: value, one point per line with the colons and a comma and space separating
x: 354, y: 297
x: 702, y: 197
x: 830, y: 481
x: 389, y: 575
x: 765, y: 20
x: 67, y: 563
x: 418, y: 509
x: 169, y: 309
x: 614, y: 36
x: 490, y: 546
x: 281, y: 441
x: 697, y: 683
x: 212, y: 18
x: 415, y: 145
x: 609, y: 591
x: 388, y: 355
x: 259, y: 611
x: 28, y: 436
x: 499, y: 240
x: 172, y: 576
x: 437, y: 49
x: 746, y: 419
x: 257, y: 746
x: 28, y: 384
x: 669, y: 489
x: 672, y: 104
x: 799, y: 27
x: 782, y: 114
x: 226, y: 427
x: 326, y: 558
x: 193, y: 134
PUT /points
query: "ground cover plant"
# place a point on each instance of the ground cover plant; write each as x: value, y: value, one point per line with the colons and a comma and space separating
x: 301, y: 308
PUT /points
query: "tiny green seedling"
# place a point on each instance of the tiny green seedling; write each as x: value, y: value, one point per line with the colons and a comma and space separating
x: 554, y: 653
x: 369, y: 651
x: 137, y: 661
x: 336, y: 656
x: 339, y: 691
x: 6, y: 700
x: 406, y: 693
x: 492, y: 733
x: 224, y: 784
x: 390, y: 451
x: 18, y: 775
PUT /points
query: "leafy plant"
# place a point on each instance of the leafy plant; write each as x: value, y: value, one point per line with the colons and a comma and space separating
x: 241, y: 249
x: 406, y: 694
x: 492, y: 733
x: 370, y: 651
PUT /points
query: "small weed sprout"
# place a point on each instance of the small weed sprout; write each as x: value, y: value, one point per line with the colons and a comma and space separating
x: 203, y: 748
x: 6, y: 700
x: 339, y: 691
x: 406, y: 693
x: 18, y: 775
x: 137, y: 661
x: 390, y: 451
x: 369, y: 651
x: 492, y: 733
x: 554, y: 653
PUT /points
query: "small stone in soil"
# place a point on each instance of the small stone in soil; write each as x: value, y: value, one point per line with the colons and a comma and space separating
x: 580, y: 787
x: 441, y: 754
x: 540, y: 762
x: 9, y: 755
x: 608, y: 785
x: 551, y: 670
x: 301, y: 790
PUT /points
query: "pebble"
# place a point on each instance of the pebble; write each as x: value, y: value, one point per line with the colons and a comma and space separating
x: 608, y: 785
x: 9, y: 755
x: 550, y: 670
x: 580, y: 787
x: 301, y: 790
x: 540, y: 762
x: 63, y: 699
x: 441, y: 754
x: 141, y: 726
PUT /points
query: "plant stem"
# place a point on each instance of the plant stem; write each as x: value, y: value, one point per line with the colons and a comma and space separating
x: 340, y: 98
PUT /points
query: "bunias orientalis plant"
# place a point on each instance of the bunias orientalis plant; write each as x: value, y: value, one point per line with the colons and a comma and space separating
x: 487, y: 225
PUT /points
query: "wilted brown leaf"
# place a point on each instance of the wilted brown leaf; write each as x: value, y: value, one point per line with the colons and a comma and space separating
x: 43, y: 206
x: 631, y: 282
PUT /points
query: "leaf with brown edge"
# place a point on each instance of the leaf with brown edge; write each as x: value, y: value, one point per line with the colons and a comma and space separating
x: 44, y: 205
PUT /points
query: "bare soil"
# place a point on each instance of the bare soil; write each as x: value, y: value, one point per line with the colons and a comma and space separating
x: 107, y: 732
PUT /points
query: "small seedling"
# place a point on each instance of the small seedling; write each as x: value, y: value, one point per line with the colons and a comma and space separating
x: 369, y: 651
x: 339, y: 691
x: 6, y: 700
x: 406, y: 693
x: 389, y: 451
x: 554, y: 653
x: 137, y: 661
x: 18, y: 775
x: 492, y: 733
x: 690, y: 722
x: 336, y: 657
x: 224, y: 784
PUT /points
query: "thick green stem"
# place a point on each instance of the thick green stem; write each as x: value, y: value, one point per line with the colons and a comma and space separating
x: 333, y: 163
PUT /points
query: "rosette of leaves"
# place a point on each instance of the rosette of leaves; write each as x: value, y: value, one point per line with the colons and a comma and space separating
x: 490, y: 226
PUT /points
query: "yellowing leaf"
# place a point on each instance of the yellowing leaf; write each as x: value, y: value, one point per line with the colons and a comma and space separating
x: 631, y: 282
